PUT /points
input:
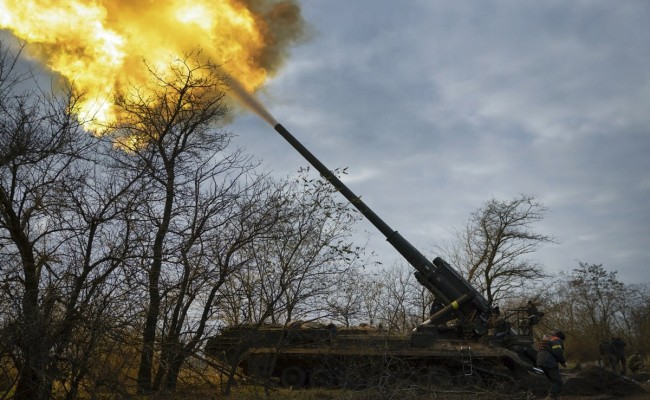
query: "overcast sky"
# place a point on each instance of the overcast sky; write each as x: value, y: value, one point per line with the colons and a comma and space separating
x: 436, y: 107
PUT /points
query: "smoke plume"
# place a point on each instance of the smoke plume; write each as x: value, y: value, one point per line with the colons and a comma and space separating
x: 250, y: 102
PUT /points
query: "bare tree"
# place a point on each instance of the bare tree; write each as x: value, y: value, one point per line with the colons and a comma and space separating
x: 597, y: 296
x: 345, y: 304
x: 634, y: 320
x: 373, y: 292
x: 587, y: 305
x: 398, y: 301
x: 167, y: 128
x: 395, y: 312
x: 230, y: 219
x: 308, y: 255
x: 421, y: 300
x: 492, y: 247
x: 57, y: 236
x: 292, y: 273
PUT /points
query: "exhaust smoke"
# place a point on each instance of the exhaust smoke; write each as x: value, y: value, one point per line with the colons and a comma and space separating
x: 250, y: 102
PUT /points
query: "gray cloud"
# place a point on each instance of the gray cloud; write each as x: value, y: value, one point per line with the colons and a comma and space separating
x: 435, y: 107
x: 438, y: 106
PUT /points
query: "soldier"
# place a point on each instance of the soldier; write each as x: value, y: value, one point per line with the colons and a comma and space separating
x: 534, y: 316
x: 550, y: 354
x: 618, y: 353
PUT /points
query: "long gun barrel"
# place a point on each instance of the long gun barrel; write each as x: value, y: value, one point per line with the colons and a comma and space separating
x: 450, y: 289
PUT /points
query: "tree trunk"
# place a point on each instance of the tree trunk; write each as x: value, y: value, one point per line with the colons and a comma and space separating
x: 34, y: 382
x: 149, y: 331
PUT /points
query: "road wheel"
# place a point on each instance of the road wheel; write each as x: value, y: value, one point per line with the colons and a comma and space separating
x: 322, y: 378
x: 294, y: 377
x: 258, y: 367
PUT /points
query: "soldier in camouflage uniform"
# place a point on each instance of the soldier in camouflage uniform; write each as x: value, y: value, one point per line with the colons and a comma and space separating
x: 550, y: 354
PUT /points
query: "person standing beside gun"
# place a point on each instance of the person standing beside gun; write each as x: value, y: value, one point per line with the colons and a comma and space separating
x: 618, y: 353
x: 550, y: 354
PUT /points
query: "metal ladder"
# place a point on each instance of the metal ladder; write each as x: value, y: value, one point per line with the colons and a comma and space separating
x: 466, y: 360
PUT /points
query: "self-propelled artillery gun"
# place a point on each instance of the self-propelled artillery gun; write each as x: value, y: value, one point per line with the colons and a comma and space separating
x: 465, y: 340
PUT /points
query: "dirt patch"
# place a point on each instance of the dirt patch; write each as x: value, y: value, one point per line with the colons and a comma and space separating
x: 590, y: 383
x: 593, y: 383
x: 598, y: 381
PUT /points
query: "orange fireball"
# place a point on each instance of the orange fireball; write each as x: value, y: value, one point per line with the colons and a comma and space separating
x: 98, y: 46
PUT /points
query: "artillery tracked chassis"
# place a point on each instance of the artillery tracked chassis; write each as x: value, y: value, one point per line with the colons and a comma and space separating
x: 330, y: 356
x: 465, y: 340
